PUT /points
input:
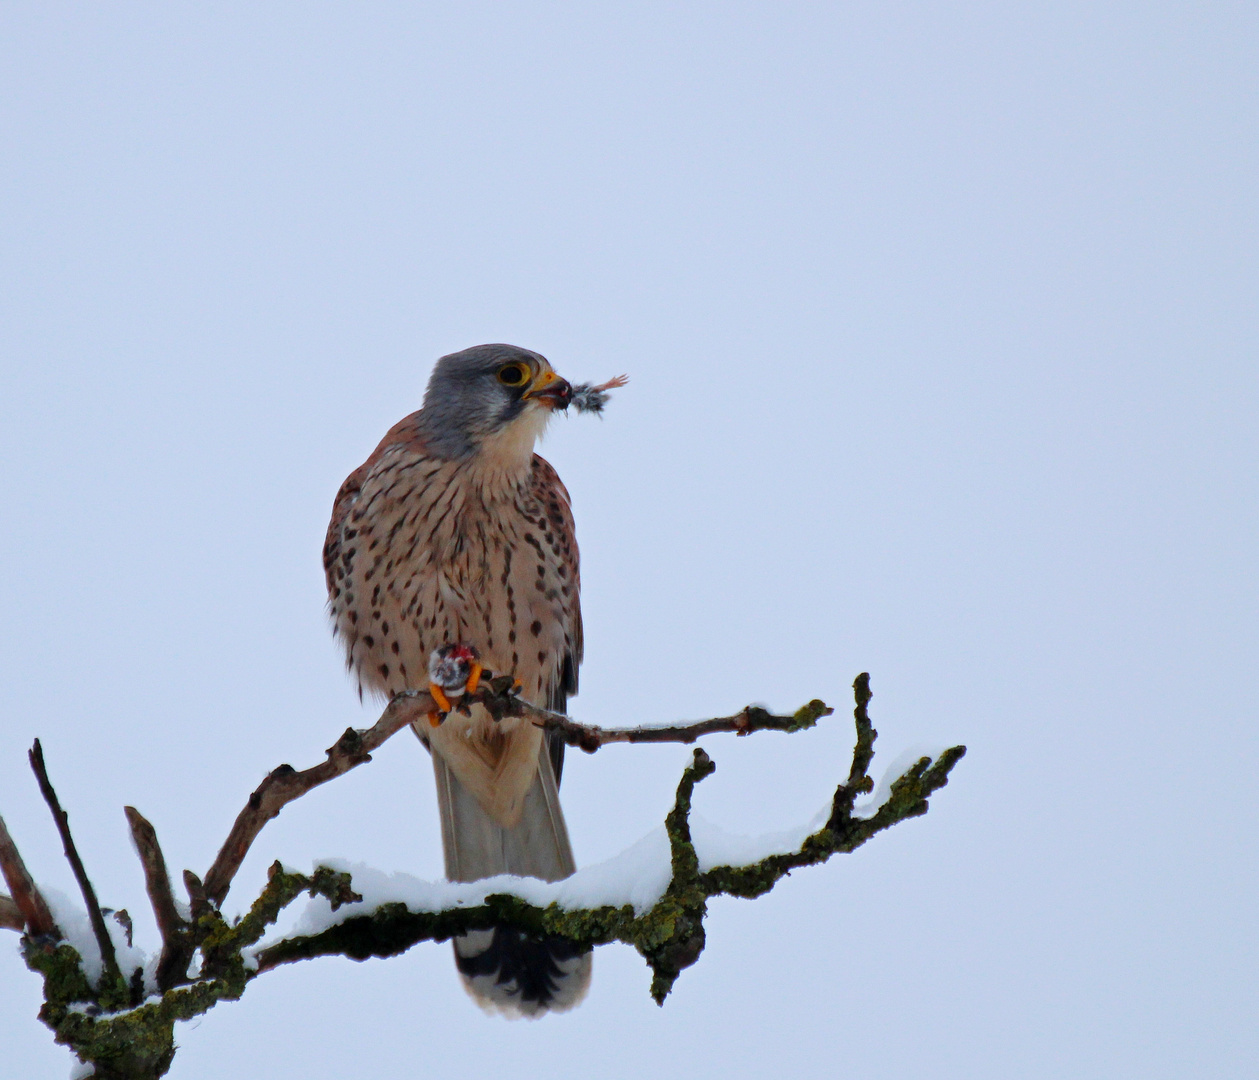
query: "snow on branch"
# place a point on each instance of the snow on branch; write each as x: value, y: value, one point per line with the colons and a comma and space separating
x: 124, y: 1024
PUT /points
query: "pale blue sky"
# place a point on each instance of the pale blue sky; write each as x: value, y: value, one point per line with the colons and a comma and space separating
x: 942, y: 329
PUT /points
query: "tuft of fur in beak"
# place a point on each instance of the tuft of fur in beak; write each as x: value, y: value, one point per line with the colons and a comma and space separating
x: 588, y: 398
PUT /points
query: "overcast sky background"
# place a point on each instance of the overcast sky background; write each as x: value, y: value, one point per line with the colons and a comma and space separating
x: 941, y: 326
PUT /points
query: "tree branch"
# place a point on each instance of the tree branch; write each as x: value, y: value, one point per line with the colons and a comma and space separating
x: 752, y: 718
x: 134, y: 1038
x: 284, y: 784
x: 670, y: 936
x: 110, y: 976
x: 32, y: 908
x: 177, y: 945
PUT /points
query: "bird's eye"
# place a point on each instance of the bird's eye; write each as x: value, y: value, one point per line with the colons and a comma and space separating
x: 513, y: 374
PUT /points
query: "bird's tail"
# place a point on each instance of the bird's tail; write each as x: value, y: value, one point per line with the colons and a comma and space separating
x: 504, y: 969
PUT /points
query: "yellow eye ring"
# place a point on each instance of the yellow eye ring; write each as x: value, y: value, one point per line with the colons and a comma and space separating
x: 513, y: 374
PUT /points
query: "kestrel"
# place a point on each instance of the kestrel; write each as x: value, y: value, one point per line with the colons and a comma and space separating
x: 454, y: 533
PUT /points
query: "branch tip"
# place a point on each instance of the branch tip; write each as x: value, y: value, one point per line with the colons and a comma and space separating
x: 111, y: 976
x: 198, y: 901
x: 177, y: 947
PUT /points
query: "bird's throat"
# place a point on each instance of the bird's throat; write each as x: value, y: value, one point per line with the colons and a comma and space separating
x: 509, y: 451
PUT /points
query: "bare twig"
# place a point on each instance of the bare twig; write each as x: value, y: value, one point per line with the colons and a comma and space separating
x: 752, y: 718
x: 285, y: 784
x: 109, y: 962
x: 156, y: 878
x: 32, y: 909
x: 177, y: 947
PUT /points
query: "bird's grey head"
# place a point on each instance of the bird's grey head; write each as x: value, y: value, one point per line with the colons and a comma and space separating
x: 498, y: 394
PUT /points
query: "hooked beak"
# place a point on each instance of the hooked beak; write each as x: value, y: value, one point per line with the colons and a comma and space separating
x: 549, y: 388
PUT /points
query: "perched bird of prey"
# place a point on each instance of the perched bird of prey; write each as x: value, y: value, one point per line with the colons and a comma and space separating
x: 455, y: 535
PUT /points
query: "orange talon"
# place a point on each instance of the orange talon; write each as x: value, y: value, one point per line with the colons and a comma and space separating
x: 474, y: 679
x: 435, y: 719
x: 439, y: 696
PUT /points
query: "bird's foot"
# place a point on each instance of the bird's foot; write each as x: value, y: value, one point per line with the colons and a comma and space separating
x: 501, y: 697
x: 453, y: 671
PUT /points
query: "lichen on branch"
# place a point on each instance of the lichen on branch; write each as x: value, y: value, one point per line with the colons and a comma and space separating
x: 670, y: 935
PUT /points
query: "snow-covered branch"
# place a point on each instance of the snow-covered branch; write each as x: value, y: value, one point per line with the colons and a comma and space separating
x: 655, y: 898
